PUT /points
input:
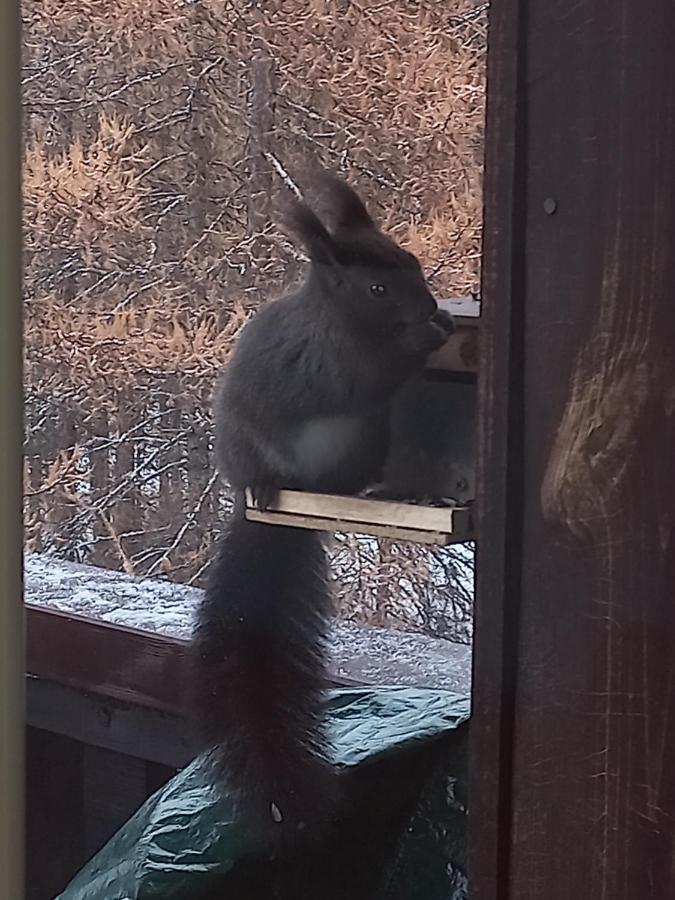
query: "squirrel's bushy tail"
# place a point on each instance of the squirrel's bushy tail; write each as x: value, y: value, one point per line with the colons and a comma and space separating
x: 260, y: 673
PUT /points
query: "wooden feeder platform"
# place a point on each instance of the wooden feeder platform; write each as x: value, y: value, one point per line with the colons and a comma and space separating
x: 380, y: 518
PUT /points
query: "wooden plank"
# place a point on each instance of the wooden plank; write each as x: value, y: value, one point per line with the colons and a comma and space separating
x: 133, y: 666
x: 114, y: 787
x: 293, y: 520
x: 157, y: 736
x: 329, y: 512
x: 131, y: 669
x: 362, y: 509
x: 157, y: 775
x: 12, y: 751
x: 117, y: 671
x: 578, y: 708
x: 498, y: 525
x: 55, y: 838
x: 78, y: 795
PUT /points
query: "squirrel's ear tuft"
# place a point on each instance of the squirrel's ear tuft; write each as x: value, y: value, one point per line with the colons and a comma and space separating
x: 347, y: 210
x: 306, y: 225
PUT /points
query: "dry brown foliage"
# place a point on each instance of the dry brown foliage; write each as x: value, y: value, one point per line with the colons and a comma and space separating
x: 161, y: 137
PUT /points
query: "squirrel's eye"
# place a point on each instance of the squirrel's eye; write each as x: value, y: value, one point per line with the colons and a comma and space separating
x: 378, y: 289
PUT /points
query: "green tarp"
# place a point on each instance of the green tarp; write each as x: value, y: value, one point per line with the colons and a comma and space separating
x: 402, y: 755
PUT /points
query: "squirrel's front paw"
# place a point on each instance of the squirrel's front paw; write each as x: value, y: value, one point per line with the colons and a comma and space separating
x: 445, y: 321
x: 434, y: 336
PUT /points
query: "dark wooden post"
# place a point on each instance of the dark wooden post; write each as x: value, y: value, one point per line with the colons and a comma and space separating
x: 574, y: 695
x: 12, y: 664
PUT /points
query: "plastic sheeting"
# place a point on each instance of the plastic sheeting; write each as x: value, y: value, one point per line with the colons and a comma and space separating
x: 402, y: 755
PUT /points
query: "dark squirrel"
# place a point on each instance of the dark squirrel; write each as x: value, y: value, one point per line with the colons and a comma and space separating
x: 303, y: 404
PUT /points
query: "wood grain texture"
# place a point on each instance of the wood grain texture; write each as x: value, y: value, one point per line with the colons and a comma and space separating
x: 331, y: 512
x: 147, y: 670
x: 78, y: 795
x: 500, y: 471
x: 587, y: 788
